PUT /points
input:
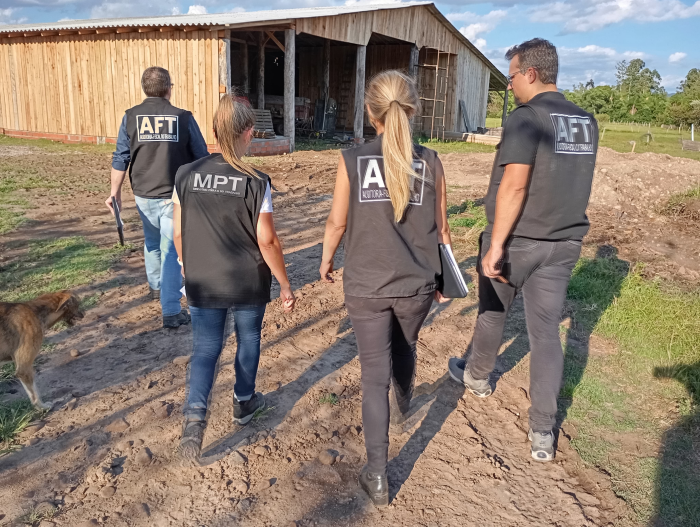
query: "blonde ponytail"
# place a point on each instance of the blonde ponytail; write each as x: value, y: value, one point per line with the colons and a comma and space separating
x: 232, y: 119
x: 393, y: 99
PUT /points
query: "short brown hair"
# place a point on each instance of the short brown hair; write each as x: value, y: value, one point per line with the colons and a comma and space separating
x: 539, y: 54
x: 155, y: 82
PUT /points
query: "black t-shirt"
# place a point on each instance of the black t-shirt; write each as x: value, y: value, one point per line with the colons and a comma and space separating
x: 559, y: 141
x: 385, y: 259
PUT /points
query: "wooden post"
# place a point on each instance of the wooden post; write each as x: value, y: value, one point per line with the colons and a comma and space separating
x: 225, y: 63
x: 505, y: 108
x: 289, y: 67
x: 413, y: 62
x: 359, y: 122
x: 261, y: 70
x: 326, y: 81
x: 244, y: 66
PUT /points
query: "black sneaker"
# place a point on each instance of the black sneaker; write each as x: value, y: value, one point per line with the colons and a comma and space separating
x: 399, y: 402
x: 244, y: 411
x: 154, y: 295
x: 191, y: 441
x: 175, y: 321
x: 376, y: 486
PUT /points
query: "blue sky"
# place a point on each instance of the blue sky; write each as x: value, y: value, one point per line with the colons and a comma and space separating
x: 591, y: 35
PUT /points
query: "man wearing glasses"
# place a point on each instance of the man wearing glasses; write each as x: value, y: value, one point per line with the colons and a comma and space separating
x: 155, y: 139
x: 536, y: 209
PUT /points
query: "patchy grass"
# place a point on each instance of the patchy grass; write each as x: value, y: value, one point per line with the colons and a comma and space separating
x: 684, y: 205
x: 459, y: 147
x: 611, y: 396
x: 55, y: 146
x: 261, y: 413
x: 466, y: 220
x: 34, y: 516
x: 14, y: 417
x: 7, y: 371
x: 52, y: 265
x: 618, y: 136
x: 329, y: 399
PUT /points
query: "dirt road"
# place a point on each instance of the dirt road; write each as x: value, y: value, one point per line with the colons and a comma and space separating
x: 106, y: 453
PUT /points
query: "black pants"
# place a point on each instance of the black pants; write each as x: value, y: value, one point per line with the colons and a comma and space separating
x: 386, y: 330
x: 542, y: 270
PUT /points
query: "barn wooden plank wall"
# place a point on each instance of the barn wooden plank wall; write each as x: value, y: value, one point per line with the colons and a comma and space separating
x: 82, y: 84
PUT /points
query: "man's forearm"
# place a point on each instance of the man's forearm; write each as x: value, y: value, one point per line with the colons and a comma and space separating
x: 509, y: 204
x: 117, y: 179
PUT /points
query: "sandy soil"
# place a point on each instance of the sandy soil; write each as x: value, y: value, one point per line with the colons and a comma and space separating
x: 106, y: 453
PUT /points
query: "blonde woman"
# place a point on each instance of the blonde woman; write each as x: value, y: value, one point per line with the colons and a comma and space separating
x: 228, y: 246
x: 390, y: 203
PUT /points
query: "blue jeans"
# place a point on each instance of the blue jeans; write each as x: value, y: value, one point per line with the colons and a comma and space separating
x: 210, y: 330
x: 162, y: 270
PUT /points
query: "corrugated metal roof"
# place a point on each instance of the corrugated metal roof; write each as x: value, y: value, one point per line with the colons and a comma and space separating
x: 214, y: 19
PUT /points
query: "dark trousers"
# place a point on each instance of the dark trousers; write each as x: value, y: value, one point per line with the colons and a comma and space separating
x: 386, y: 330
x: 541, y: 269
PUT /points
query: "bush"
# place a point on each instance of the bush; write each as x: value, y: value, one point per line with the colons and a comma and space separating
x: 602, y: 117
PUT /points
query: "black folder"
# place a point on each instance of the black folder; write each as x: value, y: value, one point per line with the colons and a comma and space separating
x: 451, y: 282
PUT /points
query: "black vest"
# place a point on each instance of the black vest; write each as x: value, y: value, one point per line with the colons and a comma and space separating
x: 562, y: 173
x: 160, y: 144
x: 384, y: 259
x: 220, y: 209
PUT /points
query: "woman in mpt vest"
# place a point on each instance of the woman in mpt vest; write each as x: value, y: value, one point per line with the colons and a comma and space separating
x: 390, y: 201
x: 226, y: 239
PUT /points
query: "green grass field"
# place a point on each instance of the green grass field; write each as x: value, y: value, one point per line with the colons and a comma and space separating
x: 618, y: 136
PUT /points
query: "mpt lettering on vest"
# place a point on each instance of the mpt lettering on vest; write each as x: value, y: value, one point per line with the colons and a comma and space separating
x: 370, y: 170
x: 223, y: 185
x: 573, y: 134
x: 157, y: 128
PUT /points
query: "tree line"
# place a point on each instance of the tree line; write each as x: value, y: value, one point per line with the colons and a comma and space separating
x: 637, y: 97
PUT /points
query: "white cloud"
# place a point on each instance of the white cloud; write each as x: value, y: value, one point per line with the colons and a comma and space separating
x: 591, y: 62
x: 7, y: 18
x: 677, y: 57
x: 478, y: 25
x: 197, y: 10
x: 578, y: 17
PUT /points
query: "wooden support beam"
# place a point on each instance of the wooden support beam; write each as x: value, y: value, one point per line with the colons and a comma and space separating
x: 359, y: 122
x: 261, y: 71
x: 167, y: 29
x: 87, y: 31
x: 274, y: 39
x: 49, y: 33
x: 31, y: 34
x: 67, y: 32
x: 13, y: 35
x: 505, y: 108
x: 126, y: 29
x: 326, y: 79
x: 147, y: 29
x: 225, y: 61
x: 191, y: 28
x: 413, y: 62
x: 289, y: 70
x: 245, y: 81
x: 104, y: 30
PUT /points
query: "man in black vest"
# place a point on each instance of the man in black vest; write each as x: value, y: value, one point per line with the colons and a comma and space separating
x: 536, y: 209
x: 155, y: 139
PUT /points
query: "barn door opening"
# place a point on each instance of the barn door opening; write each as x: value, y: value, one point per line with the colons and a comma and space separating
x: 433, y: 82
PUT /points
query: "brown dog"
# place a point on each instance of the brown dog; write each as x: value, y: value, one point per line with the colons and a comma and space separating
x: 22, y: 327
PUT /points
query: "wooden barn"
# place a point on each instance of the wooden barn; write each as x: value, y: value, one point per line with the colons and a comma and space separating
x: 73, y: 80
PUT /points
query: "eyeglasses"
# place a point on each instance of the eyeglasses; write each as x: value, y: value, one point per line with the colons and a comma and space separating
x: 511, y: 77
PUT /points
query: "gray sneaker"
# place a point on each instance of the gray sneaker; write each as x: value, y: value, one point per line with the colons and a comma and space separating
x: 460, y: 373
x: 175, y: 321
x: 542, y: 445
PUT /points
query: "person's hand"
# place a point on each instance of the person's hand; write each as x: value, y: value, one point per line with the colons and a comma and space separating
x: 491, y: 262
x: 441, y: 299
x: 288, y: 300
x: 108, y: 202
x: 326, y: 270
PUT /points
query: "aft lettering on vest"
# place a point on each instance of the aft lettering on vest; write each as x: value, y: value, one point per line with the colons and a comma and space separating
x: 370, y: 171
x: 157, y: 128
x: 573, y: 134
x: 221, y: 185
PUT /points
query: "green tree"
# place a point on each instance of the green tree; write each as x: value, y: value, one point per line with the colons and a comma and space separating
x: 684, y: 105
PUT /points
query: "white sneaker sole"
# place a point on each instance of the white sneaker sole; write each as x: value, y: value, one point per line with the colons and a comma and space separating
x: 476, y: 394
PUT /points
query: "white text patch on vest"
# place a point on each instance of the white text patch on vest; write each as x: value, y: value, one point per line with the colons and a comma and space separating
x: 370, y: 171
x: 157, y: 128
x: 223, y: 185
x: 573, y: 134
